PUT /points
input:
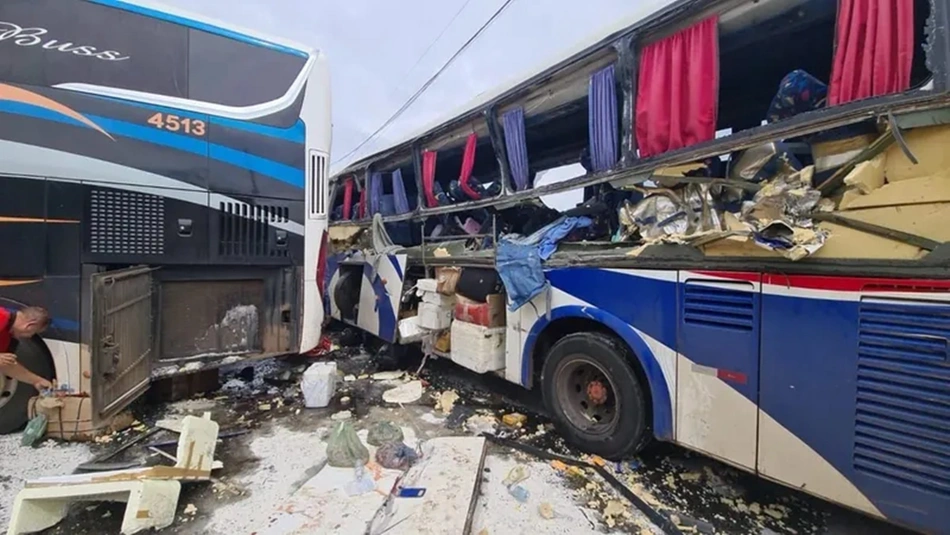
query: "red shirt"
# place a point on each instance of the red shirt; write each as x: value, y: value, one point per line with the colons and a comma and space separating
x: 6, y: 324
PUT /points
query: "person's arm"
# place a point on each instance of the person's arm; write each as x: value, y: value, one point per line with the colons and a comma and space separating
x: 11, y: 368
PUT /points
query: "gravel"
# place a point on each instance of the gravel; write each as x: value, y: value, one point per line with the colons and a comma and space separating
x: 18, y: 464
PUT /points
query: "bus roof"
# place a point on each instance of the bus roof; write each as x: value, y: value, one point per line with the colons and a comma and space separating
x: 595, y: 41
x: 161, y: 11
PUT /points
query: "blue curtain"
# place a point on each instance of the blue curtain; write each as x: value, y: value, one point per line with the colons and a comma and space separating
x: 517, y: 148
x: 375, y: 193
x: 399, y: 193
x: 602, y: 119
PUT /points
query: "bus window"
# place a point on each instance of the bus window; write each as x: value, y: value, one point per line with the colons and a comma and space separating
x: 564, y: 200
x: 761, y: 43
x: 483, y: 180
x: 776, y: 58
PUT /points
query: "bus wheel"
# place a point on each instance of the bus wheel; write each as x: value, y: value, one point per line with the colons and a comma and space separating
x: 14, y: 395
x: 594, y: 395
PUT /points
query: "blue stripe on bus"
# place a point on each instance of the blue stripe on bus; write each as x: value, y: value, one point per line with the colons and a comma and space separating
x: 198, y: 25
x: 194, y: 145
x: 294, y: 134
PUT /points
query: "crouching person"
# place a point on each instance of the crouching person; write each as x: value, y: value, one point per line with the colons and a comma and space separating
x: 21, y: 325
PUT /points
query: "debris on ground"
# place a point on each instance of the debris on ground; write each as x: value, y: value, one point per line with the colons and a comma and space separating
x: 445, y: 401
x: 516, y: 475
x: 190, y: 510
x: 481, y: 423
x: 404, y: 394
x: 546, y: 510
x: 318, y: 384
x: 514, y: 419
x: 342, y: 415
x: 388, y: 376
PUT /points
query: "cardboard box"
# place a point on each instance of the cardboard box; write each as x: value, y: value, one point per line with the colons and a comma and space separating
x: 447, y: 278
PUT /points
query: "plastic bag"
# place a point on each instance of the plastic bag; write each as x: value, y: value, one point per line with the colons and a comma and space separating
x: 396, y: 456
x: 344, y: 448
x: 384, y: 433
x: 35, y: 430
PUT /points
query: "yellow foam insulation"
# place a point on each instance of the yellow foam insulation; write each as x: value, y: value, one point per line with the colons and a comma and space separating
x: 737, y: 246
x: 931, y: 147
x: 844, y: 242
x: 926, y: 190
x: 343, y: 233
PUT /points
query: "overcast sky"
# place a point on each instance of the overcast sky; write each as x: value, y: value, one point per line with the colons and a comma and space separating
x: 375, y: 49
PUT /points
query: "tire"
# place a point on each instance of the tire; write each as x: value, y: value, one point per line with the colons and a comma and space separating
x: 593, y: 427
x: 14, y: 413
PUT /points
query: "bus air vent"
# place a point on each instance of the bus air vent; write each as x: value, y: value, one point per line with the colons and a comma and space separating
x: 903, y: 394
x: 250, y: 230
x: 721, y: 305
x: 126, y: 223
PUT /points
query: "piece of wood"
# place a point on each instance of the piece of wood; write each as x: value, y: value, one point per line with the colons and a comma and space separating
x: 451, y: 473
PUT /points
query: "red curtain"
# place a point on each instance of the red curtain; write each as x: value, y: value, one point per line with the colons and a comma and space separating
x: 468, y: 161
x: 428, y: 177
x: 678, y: 90
x: 348, y: 198
x: 363, y: 201
x: 874, y: 49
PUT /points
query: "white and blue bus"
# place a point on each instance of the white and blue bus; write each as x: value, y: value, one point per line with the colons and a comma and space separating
x: 161, y: 177
x: 753, y: 264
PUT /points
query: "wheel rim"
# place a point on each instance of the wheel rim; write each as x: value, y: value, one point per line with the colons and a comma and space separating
x: 7, y: 388
x: 587, y: 395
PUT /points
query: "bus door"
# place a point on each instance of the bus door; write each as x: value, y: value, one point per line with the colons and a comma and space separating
x: 123, y: 342
x: 380, y: 295
x: 718, y: 364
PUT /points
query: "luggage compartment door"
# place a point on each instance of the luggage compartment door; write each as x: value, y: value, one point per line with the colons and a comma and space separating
x: 718, y: 366
x: 123, y: 338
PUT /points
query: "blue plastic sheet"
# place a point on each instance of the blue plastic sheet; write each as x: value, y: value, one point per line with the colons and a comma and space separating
x: 519, y: 260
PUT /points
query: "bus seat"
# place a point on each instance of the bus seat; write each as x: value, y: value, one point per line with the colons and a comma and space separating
x: 400, y: 201
x: 517, y: 147
x: 602, y: 119
x: 348, y: 199
x: 468, y: 162
x: 798, y: 92
x: 428, y: 177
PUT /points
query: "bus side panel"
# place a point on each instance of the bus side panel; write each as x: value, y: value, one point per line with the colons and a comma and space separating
x: 380, y: 295
x: 855, y: 390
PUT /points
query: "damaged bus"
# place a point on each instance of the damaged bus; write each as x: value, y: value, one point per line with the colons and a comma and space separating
x: 745, y: 255
x: 155, y: 169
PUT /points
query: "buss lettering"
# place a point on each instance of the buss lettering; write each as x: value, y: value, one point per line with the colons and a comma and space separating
x: 30, y: 37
